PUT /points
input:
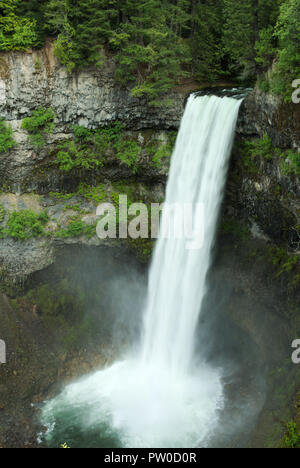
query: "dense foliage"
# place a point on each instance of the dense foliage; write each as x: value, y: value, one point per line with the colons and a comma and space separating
x: 89, y: 149
x: 6, y: 137
x: 25, y: 224
x: 40, y: 124
x: 158, y: 42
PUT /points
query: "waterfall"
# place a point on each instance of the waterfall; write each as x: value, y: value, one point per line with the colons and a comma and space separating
x: 158, y: 396
x: 177, y: 277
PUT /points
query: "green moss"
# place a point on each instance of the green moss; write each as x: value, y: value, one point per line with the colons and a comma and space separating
x: 291, y: 437
x: 92, y: 149
x: 2, y: 213
x: 128, y: 153
x: 61, y: 196
x: 98, y: 194
x: 103, y: 193
x: 160, y: 152
x: 76, y: 228
x: 290, y: 163
x: 235, y: 228
x: 38, y: 64
x: 284, y: 262
x: 143, y: 248
x: 263, y: 148
x: 71, y: 156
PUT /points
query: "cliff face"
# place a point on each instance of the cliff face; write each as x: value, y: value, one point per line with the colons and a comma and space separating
x: 92, y: 98
x: 265, y: 114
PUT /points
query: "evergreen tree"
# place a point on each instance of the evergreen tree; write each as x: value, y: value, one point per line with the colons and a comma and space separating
x: 150, y: 52
x: 16, y: 33
x: 240, y: 35
x: 92, y: 29
x: 206, y: 30
x: 156, y: 43
x: 246, y: 24
x: 288, y: 33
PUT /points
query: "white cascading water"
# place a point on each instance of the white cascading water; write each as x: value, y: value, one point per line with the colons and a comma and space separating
x: 161, y: 397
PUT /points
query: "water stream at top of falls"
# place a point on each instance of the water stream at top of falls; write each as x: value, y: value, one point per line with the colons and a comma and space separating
x: 158, y: 396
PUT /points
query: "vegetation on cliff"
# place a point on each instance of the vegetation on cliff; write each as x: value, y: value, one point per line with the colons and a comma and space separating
x: 6, y: 137
x: 91, y: 149
x: 156, y: 43
x: 41, y: 123
x: 25, y: 224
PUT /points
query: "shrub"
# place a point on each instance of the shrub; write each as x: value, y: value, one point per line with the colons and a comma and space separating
x: 16, y: 33
x: 292, y: 437
x: 291, y: 163
x: 90, y: 148
x: 2, y: 213
x: 26, y: 224
x: 39, y: 125
x: 6, y: 137
x: 128, y: 153
x: 262, y: 147
x: 76, y: 229
x: 164, y: 151
x: 72, y: 156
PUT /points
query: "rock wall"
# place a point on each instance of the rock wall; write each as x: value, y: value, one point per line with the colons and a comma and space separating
x: 265, y: 114
x: 266, y: 198
x: 92, y: 98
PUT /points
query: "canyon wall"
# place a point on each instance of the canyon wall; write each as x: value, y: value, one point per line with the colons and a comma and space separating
x: 92, y: 98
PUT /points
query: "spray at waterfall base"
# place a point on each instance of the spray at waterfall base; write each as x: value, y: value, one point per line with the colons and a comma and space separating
x: 180, y: 221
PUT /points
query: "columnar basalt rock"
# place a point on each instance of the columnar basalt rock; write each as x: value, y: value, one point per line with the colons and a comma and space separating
x: 91, y: 98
